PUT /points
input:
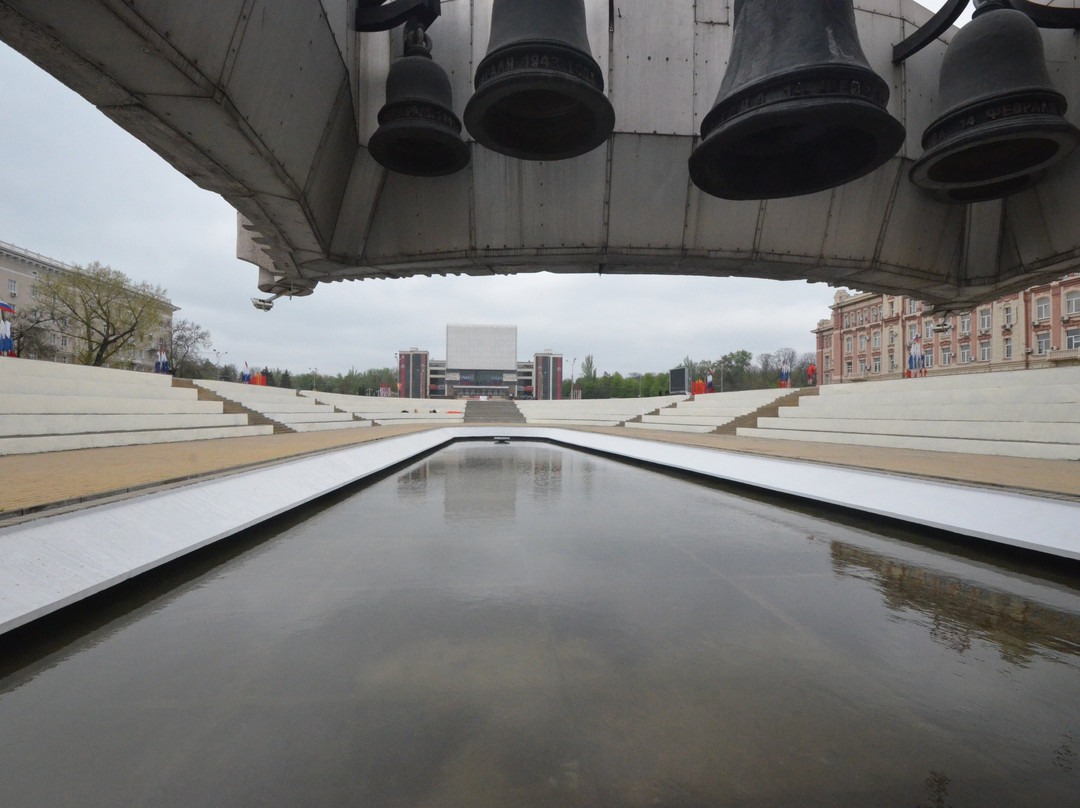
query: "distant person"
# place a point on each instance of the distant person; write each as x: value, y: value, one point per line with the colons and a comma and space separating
x: 709, y: 383
x: 811, y: 372
x: 785, y: 374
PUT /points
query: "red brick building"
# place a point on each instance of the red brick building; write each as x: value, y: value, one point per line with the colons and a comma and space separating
x: 870, y: 336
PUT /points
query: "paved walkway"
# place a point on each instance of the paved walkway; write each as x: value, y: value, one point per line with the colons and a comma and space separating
x: 35, y: 483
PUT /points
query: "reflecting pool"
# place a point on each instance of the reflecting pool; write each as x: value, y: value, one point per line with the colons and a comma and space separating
x: 527, y: 626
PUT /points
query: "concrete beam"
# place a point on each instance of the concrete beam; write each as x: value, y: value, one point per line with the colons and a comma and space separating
x: 272, y: 104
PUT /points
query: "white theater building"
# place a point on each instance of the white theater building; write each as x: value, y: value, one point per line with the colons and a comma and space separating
x: 481, y: 362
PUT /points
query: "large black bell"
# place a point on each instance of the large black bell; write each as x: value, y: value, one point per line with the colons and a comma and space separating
x: 539, y: 92
x: 799, y: 109
x: 418, y: 133
x: 1003, y: 123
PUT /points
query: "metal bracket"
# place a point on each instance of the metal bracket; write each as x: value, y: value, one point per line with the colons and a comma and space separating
x: 1042, y: 15
x: 938, y: 25
x: 380, y: 15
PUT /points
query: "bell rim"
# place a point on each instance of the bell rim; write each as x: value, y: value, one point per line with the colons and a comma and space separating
x: 1055, y: 101
x: 779, y: 89
x: 502, y: 87
x: 378, y: 145
x: 1054, y: 128
x: 888, y: 137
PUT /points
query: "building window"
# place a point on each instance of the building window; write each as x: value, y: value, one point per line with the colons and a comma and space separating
x: 1072, y: 303
x: 984, y: 351
x: 877, y: 364
x: 965, y: 324
x: 946, y: 355
x: 892, y: 337
x: 877, y: 339
x: 912, y: 306
x: 862, y: 366
x: 847, y: 320
x: 1042, y: 344
x: 912, y: 332
x: 984, y: 319
x: 1008, y: 315
x: 63, y: 342
x: 1072, y: 338
x: 862, y: 342
x: 848, y: 367
x: 52, y: 339
x: 847, y: 344
x: 929, y: 357
x: 965, y: 354
x: 1008, y: 347
x: 928, y: 329
x: 12, y: 287
x: 1042, y: 308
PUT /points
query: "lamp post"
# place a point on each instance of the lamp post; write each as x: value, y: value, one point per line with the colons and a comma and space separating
x: 573, y: 362
x: 217, y: 361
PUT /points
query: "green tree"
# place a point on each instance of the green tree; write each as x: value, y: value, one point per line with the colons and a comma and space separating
x: 588, y: 368
x: 102, y: 309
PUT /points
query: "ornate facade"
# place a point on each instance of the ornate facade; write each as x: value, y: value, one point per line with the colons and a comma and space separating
x: 870, y: 336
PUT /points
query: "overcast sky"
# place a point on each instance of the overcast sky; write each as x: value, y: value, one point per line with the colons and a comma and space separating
x: 77, y: 188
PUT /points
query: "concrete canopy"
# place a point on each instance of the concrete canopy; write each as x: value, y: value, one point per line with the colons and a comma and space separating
x: 271, y: 105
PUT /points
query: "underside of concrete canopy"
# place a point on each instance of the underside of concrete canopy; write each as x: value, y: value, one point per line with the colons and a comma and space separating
x: 272, y: 105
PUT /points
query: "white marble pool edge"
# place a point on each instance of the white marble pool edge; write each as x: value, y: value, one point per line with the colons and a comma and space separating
x: 52, y: 562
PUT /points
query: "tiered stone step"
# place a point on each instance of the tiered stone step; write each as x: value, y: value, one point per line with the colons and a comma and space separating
x: 378, y: 410
x: 283, y: 406
x: 1026, y: 413
x: 709, y: 412
x: 492, y: 412
x: 591, y: 411
x: 49, y: 407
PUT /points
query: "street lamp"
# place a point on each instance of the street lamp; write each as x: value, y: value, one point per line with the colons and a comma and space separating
x: 572, y: 363
x: 217, y: 362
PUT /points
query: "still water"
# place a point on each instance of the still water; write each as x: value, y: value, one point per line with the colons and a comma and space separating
x: 528, y: 626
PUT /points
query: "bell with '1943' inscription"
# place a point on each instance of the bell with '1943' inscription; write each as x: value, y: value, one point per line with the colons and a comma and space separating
x: 539, y: 92
x: 799, y: 109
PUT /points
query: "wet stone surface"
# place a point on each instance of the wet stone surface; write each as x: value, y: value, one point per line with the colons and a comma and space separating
x: 527, y: 626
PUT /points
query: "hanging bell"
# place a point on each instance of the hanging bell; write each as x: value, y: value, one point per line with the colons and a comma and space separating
x: 539, y: 92
x: 418, y: 133
x: 799, y: 109
x: 1003, y: 123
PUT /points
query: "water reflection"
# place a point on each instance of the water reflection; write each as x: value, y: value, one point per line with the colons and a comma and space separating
x: 413, y: 483
x: 448, y: 638
x: 961, y: 611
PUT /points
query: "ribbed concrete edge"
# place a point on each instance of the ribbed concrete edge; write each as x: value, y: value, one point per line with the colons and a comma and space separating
x: 55, y: 561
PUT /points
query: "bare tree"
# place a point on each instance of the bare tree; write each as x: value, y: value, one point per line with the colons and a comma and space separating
x: 31, y: 330
x: 101, y: 308
x: 185, y: 345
